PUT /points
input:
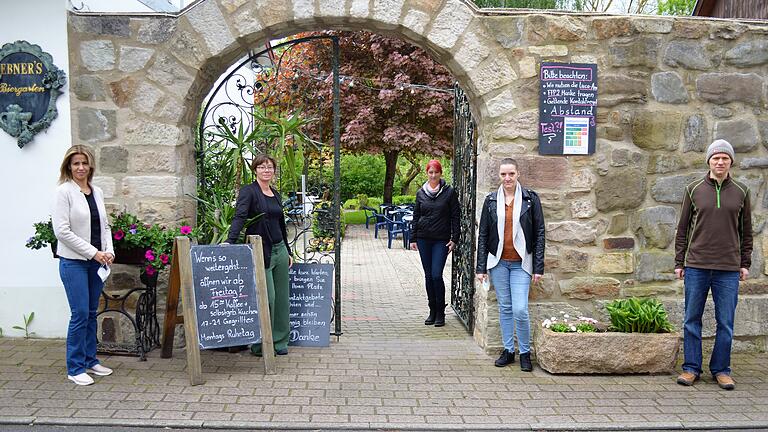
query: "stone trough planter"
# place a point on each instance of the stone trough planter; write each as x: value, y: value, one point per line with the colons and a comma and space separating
x: 606, y: 353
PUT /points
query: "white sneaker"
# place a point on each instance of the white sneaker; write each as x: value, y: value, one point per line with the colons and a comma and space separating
x: 82, y: 379
x: 100, y: 370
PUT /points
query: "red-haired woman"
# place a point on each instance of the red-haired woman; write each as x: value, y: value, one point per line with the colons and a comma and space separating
x: 435, y: 232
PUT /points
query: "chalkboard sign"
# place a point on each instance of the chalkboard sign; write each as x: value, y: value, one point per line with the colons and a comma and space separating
x: 567, y: 108
x: 310, y: 315
x: 225, y: 295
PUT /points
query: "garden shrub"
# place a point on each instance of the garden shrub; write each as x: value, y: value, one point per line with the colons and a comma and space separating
x: 634, y: 315
x: 403, y: 199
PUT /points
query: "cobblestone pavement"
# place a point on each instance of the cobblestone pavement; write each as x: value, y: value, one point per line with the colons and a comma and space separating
x: 388, y: 371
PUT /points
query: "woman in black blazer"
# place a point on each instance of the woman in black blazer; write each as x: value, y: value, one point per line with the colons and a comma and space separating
x: 260, y: 198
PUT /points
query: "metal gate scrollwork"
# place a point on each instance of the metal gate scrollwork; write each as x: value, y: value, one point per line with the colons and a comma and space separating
x: 464, y: 181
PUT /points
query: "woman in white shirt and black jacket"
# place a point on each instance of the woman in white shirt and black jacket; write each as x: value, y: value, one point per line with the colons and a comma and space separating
x: 510, y: 246
x: 84, y: 244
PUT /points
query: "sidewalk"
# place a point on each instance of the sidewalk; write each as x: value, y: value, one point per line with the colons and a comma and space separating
x: 388, y: 371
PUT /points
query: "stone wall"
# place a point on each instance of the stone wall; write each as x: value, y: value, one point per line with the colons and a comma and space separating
x: 667, y: 87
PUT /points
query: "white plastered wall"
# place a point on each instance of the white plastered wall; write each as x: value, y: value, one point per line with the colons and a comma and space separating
x: 29, y: 279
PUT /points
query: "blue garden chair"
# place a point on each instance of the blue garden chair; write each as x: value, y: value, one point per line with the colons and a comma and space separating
x: 369, y: 217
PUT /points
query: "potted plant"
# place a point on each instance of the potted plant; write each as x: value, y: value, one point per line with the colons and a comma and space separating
x: 43, y: 237
x: 638, y: 340
x: 149, y: 245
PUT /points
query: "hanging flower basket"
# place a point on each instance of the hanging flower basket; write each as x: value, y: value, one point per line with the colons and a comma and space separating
x: 131, y: 256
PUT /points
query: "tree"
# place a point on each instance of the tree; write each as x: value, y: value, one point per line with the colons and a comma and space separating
x: 676, y: 7
x: 394, y: 98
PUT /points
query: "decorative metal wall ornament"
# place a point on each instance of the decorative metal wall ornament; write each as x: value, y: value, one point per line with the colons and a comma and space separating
x: 29, y: 85
x: 464, y: 181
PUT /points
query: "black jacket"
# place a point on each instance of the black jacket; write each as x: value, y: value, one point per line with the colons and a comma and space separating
x: 531, y: 220
x: 250, y: 202
x: 436, y: 218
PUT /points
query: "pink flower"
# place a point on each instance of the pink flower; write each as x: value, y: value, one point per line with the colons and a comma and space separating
x: 149, y: 270
x: 164, y: 258
x: 118, y: 235
x: 149, y: 255
x: 185, y: 229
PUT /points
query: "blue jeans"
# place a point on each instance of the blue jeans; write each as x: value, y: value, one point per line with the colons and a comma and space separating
x: 83, y: 286
x: 512, y: 283
x: 433, y: 255
x: 725, y: 293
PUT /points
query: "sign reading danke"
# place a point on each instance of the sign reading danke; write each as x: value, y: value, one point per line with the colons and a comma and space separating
x: 310, y: 313
x: 29, y: 87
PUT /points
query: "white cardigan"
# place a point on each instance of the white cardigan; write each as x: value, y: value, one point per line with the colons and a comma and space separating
x: 72, y: 222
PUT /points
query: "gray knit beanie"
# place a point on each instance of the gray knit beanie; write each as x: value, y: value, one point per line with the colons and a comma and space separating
x: 720, y: 146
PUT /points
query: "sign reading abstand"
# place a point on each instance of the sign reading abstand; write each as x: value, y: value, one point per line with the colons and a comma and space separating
x: 226, y: 305
x: 310, y: 314
x: 567, y: 108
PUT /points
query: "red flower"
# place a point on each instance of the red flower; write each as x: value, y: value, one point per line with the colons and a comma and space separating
x: 185, y: 229
x: 118, y: 235
x: 164, y: 258
x: 149, y: 270
x: 149, y: 255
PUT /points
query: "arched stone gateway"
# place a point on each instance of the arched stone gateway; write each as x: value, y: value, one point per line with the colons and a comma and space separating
x: 667, y: 87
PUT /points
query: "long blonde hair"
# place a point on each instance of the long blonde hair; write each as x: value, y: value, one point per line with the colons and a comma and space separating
x: 65, y: 174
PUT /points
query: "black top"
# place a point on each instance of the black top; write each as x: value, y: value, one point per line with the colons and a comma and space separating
x: 274, y: 213
x: 95, y: 221
x: 436, y: 217
x: 251, y: 202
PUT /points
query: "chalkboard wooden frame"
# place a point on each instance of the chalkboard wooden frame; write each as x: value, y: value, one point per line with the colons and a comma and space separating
x: 180, y: 286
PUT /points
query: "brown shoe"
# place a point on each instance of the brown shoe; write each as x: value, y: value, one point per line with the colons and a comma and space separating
x: 725, y: 382
x: 687, y: 378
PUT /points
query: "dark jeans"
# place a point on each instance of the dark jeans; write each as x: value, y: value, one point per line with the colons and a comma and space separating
x: 83, y: 286
x: 433, y: 254
x: 725, y: 293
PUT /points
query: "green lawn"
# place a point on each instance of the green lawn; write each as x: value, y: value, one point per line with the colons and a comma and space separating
x: 355, y: 217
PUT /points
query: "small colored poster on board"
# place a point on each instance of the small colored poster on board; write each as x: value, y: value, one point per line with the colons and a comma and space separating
x: 567, y: 108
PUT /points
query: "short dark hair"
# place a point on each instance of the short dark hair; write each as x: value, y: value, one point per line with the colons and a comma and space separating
x: 509, y: 161
x: 260, y: 159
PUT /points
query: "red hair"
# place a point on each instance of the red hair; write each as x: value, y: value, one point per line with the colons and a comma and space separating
x: 434, y: 163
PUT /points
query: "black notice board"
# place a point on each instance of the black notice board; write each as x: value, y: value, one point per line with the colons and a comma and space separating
x: 567, y: 108
x: 37, y: 98
x: 226, y: 305
x: 311, y: 287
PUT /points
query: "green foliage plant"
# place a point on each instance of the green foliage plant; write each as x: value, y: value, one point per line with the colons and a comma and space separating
x: 676, y: 7
x: 403, y: 199
x: 634, y: 315
x: 351, y: 204
x: 362, y: 200
x: 44, y: 235
x: 217, y: 219
x: 25, y: 328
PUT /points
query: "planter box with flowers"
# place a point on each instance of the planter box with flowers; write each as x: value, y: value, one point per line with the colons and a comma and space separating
x: 135, y: 242
x: 639, y: 340
x: 143, y: 244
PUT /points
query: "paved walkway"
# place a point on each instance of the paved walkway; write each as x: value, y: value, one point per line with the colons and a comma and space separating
x: 388, y: 371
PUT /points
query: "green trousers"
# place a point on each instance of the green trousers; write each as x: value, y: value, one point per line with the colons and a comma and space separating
x: 279, y: 297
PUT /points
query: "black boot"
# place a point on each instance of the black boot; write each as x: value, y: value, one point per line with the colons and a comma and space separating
x: 525, y: 362
x: 431, y: 318
x: 440, y: 317
x: 506, y: 358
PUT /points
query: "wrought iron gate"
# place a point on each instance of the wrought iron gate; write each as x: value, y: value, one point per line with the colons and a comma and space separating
x: 464, y: 181
x: 267, y: 86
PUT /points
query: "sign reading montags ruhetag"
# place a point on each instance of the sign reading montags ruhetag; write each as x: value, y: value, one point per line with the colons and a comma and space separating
x: 29, y: 86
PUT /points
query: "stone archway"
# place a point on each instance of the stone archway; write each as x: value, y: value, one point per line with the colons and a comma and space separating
x: 667, y: 86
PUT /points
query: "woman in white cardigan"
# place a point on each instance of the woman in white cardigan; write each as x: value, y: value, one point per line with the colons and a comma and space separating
x: 84, y: 245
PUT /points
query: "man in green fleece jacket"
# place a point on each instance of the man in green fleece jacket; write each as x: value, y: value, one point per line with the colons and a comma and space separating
x: 713, y: 250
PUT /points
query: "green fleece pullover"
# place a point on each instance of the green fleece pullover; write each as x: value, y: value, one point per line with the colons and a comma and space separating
x: 715, y: 227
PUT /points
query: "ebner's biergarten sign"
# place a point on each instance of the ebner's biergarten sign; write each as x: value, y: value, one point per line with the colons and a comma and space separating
x: 29, y: 86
